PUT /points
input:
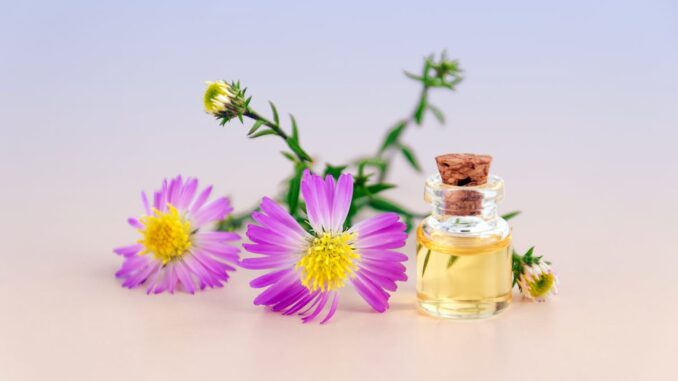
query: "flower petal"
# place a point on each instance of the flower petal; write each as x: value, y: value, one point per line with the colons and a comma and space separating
x: 341, y: 202
x: 333, y: 308
x: 321, y: 305
x: 200, y: 201
x: 269, y: 278
x: 128, y: 251
x: 370, y: 293
x: 266, y: 262
x: 215, y: 211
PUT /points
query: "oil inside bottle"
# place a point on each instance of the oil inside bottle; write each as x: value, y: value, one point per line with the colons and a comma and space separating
x: 463, y: 277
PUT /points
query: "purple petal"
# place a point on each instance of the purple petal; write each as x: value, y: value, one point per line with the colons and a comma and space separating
x: 218, y: 268
x: 185, y: 277
x: 133, y: 222
x: 269, y: 250
x: 222, y: 251
x: 288, y: 282
x: 153, y: 279
x: 383, y: 267
x: 140, y: 276
x: 301, y: 303
x: 276, y: 211
x: 270, y: 278
x: 317, y: 206
x: 369, y: 293
x: 215, y: 211
x: 260, y: 235
x: 128, y: 251
x: 131, y: 265
x: 293, y: 295
x: 333, y: 308
x: 171, y: 278
x: 307, y: 190
x: 321, y: 305
x: 341, y: 202
x: 322, y: 198
x: 274, y: 224
x: 216, y: 237
x: 202, y: 198
x: 175, y: 187
x: 187, y: 193
x: 162, y: 284
x: 164, y: 196
x: 197, y: 269
x: 373, y: 224
x: 266, y: 262
x: 144, y: 200
x: 385, y: 282
x: 382, y: 241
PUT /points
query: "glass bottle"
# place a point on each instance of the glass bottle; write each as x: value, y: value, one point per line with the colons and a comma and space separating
x: 464, y: 251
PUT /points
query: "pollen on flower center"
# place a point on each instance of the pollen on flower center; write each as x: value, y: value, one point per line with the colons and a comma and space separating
x: 167, y: 235
x: 329, y: 260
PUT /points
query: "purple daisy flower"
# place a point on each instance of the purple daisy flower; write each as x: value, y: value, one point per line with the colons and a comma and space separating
x: 309, y: 269
x: 175, y: 249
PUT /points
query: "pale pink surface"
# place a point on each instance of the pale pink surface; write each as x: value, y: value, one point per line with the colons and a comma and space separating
x: 575, y: 100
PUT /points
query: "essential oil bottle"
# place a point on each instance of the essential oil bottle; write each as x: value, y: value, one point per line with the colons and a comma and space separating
x: 463, y: 250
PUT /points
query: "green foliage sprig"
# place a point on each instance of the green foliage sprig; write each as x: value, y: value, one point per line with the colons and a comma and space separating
x: 369, y: 172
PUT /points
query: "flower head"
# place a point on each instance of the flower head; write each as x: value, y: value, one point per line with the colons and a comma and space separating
x: 309, y: 269
x: 225, y: 100
x: 175, y: 248
x: 536, y: 280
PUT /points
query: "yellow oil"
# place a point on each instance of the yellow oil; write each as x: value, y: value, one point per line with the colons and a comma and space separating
x: 463, y: 277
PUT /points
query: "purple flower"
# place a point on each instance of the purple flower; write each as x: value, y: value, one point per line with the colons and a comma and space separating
x: 307, y: 270
x: 175, y: 249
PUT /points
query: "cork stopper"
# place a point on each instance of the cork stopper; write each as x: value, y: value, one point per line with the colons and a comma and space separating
x: 463, y: 169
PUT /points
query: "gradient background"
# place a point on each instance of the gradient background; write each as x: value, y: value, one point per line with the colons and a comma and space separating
x: 577, y: 101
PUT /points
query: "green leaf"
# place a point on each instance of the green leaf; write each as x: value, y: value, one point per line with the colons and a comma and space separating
x: 294, y: 146
x: 294, y: 187
x: 428, y: 256
x: 393, y: 135
x: 409, y: 155
x: 289, y: 156
x: 413, y: 76
x: 376, y: 188
x: 262, y: 133
x: 255, y: 127
x: 276, y: 118
x: 295, y: 129
x: 334, y: 171
x: 437, y: 113
x: 362, y: 191
x: 510, y: 215
x: 385, y: 205
x: 421, y: 107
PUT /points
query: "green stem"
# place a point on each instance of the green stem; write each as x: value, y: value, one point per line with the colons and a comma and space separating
x: 293, y: 144
x: 256, y: 116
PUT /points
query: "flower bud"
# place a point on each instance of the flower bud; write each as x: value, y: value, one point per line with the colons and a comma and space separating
x: 224, y: 100
x: 538, y: 282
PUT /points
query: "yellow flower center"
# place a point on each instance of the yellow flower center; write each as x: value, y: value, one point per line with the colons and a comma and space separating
x: 216, y: 97
x: 329, y: 260
x: 167, y: 235
x: 542, y: 285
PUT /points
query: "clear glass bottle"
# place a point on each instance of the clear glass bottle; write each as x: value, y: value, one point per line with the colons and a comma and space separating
x: 464, y: 251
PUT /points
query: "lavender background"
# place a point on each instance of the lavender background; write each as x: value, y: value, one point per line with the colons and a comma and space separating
x: 577, y: 101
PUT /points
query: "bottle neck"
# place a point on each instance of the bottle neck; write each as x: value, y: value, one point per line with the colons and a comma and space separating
x: 461, y: 208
